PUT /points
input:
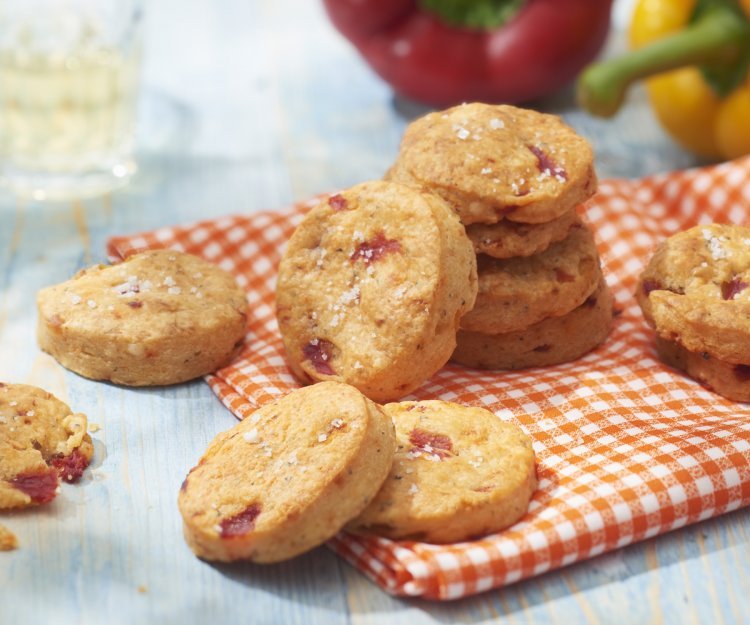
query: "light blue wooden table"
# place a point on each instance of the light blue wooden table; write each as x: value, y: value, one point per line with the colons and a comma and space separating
x: 248, y: 106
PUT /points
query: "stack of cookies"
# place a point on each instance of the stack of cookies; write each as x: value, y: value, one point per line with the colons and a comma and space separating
x: 515, y: 178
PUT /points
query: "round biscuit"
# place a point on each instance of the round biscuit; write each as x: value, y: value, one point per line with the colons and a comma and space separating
x: 549, y: 342
x: 694, y: 291
x: 515, y: 293
x: 288, y: 477
x: 41, y: 439
x: 729, y: 380
x: 507, y: 239
x: 493, y: 162
x: 459, y: 473
x: 158, y: 317
x: 372, y: 287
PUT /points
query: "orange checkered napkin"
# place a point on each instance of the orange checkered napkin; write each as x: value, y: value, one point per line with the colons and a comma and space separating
x: 627, y: 448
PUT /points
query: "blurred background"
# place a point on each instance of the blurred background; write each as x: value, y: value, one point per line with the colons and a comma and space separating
x: 256, y: 104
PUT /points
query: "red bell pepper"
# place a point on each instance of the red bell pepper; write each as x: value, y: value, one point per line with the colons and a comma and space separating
x: 539, y: 48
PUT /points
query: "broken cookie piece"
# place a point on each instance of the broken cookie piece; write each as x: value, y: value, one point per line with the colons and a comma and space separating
x: 41, y: 442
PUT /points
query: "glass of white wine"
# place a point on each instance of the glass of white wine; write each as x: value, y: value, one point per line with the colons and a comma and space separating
x: 68, y: 88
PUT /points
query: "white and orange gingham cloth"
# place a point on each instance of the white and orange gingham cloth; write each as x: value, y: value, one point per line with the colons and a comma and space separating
x: 627, y: 448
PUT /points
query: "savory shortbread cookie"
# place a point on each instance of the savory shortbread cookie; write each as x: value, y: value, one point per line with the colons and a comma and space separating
x: 515, y: 293
x: 507, y: 239
x: 288, y: 477
x: 158, y: 317
x: 458, y: 473
x: 372, y: 287
x: 549, y: 342
x: 40, y: 439
x: 695, y: 291
x: 729, y: 380
x: 493, y: 162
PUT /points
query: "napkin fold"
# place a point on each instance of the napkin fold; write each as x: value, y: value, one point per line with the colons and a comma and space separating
x: 627, y: 448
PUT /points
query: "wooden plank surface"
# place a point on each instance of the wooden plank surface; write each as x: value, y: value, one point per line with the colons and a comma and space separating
x: 247, y: 106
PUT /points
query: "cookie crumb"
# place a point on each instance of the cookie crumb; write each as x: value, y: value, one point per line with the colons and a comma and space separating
x: 8, y: 540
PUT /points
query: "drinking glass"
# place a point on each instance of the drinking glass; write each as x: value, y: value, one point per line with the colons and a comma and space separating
x: 68, y: 88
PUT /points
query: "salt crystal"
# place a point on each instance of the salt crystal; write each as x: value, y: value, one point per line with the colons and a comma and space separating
x: 460, y: 131
x: 91, y: 303
x: 322, y: 438
x: 413, y: 489
x: 496, y: 123
x: 251, y: 436
x: 352, y: 295
x: 174, y: 290
x: 169, y: 281
x: 485, y: 171
x: 75, y: 299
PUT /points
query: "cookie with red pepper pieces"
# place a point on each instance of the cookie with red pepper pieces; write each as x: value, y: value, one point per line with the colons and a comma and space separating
x: 507, y: 239
x: 459, y: 473
x: 694, y: 292
x: 729, y: 380
x: 549, y: 342
x: 494, y: 162
x: 158, y: 317
x: 372, y: 287
x: 41, y: 440
x: 515, y: 293
x: 288, y: 477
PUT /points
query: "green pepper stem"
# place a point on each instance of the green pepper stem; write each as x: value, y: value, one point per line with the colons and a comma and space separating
x: 473, y: 14
x: 719, y: 36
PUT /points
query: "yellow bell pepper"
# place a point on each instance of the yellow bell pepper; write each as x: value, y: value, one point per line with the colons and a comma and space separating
x: 696, y: 55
